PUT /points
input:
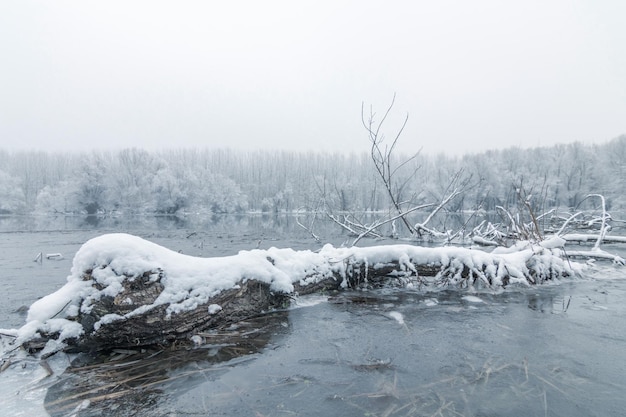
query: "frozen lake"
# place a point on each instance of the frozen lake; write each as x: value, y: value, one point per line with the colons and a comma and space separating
x: 555, y: 350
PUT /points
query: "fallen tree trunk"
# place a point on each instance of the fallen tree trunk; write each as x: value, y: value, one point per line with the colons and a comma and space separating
x: 125, y: 292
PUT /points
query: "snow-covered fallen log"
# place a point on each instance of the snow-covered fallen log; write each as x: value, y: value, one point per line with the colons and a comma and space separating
x: 126, y: 292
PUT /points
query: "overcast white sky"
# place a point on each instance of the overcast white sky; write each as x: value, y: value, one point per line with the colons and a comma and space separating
x: 473, y: 75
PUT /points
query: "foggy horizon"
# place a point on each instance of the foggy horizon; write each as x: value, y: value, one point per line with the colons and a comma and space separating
x: 285, y: 76
x: 363, y: 148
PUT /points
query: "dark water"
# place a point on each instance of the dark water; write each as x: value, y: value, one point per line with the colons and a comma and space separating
x: 556, y: 350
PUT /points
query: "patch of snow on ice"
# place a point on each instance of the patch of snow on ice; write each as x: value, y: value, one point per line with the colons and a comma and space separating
x: 397, y: 316
x: 431, y: 302
x: 472, y: 299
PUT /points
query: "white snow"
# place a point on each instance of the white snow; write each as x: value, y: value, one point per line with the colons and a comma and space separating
x: 397, y: 316
x: 191, y: 281
x: 308, y: 300
x: 431, y: 302
x: 197, y: 340
x: 553, y: 242
x: 472, y: 299
x: 581, y: 237
x: 215, y: 308
x: 479, y: 240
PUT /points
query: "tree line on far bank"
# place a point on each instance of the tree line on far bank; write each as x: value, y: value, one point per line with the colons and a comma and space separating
x: 177, y: 181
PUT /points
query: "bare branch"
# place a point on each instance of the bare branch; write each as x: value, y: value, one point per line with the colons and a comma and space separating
x: 383, y: 222
x: 569, y: 219
x: 407, y: 161
x: 603, y: 227
x: 382, y: 158
x: 382, y: 121
x: 310, y: 227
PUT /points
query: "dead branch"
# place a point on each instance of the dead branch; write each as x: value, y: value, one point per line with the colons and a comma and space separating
x: 377, y: 224
x: 458, y: 189
x: 381, y: 155
x: 309, y: 228
x: 603, y: 227
x: 524, y: 199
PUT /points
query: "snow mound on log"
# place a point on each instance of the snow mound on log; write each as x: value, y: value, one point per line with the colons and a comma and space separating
x: 187, y: 280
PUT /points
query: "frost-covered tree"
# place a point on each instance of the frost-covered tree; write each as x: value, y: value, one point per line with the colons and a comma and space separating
x: 12, y: 199
x: 613, y: 160
x: 91, y: 194
x: 131, y: 181
x: 214, y: 180
x: 58, y: 199
x: 218, y: 194
x: 172, y: 193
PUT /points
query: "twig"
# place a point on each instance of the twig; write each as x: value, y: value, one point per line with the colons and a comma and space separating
x: 308, y: 229
x: 61, y: 310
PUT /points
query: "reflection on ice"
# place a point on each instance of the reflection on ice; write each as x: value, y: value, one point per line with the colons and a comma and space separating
x: 131, y: 382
